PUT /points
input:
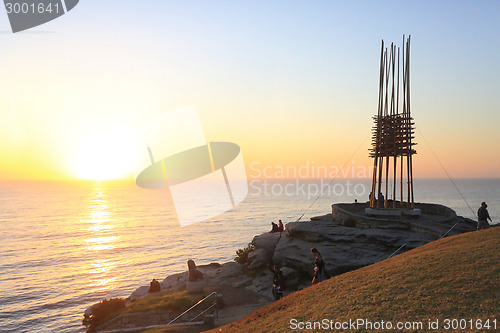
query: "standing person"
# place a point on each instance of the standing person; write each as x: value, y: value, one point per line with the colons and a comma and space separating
x: 320, y: 272
x: 280, y: 225
x: 483, y: 216
x: 278, y: 282
x: 381, y: 198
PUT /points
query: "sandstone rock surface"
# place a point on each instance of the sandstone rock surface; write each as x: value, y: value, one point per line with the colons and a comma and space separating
x: 344, y: 245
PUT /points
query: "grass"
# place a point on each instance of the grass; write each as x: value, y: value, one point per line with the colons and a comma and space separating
x: 456, y: 277
x: 170, y: 300
x: 176, y: 329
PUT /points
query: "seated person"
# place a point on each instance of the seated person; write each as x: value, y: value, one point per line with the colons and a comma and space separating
x: 154, y: 286
x: 274, y: 228
x: 193, y: 273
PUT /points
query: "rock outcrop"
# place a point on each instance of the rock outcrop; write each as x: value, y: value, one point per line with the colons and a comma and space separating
x: 347, y: 241
x: 344, y: 246
x: 265, y: 245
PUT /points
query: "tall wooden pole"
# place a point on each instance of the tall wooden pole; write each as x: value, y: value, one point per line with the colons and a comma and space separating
x: 407, y: 120
x: 410, y: 125
x: 400, y: 140
x: 395, y: 129
x: 387, y: 128
x: 378, y: 125
x: 379, y: 187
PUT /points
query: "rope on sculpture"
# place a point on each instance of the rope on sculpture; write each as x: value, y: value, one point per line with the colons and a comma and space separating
x: 331, y: 181
x: 449, y: 177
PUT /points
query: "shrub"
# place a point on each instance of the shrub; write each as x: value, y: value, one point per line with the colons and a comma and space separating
x: 102, y: 310
x: 242, y: 254
x: 174, y: 301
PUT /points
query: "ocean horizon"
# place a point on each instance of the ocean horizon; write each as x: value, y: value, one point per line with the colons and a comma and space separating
x: 67, y: 245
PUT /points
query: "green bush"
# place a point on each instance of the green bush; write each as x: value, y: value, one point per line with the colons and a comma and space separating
x: 242, y: 254
x: 102, y: 310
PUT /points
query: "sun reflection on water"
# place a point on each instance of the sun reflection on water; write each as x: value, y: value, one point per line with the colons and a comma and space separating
x: 101, y: 239
x: 100, y: 275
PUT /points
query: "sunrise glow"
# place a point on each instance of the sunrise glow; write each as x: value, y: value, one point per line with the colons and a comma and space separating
x: 102, y: 156
x: 299, y: 93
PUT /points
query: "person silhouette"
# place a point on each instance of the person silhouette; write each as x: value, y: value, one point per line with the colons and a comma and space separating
x: 280, y: 225
x: 483, y: 216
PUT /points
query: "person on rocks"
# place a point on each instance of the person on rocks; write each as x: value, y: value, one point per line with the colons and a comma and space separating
x: 280, y: 226
x: 381, y: 198
x: 274, y: 228
x: 483, y: 216
x: 320, y: 273
x: 193, y: 273
x: 154, y: 286
x: 279, y: 282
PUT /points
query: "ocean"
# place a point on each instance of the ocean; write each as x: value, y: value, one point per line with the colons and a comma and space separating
x: 67, y: 245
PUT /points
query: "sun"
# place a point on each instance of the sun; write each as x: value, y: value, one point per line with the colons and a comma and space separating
x: 102, y: 155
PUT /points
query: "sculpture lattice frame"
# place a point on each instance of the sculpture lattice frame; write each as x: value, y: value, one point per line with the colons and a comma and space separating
x: 393, y: 132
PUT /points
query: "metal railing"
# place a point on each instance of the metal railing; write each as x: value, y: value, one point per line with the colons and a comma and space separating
x: 448, y: 231
x: 396, y: 251
x: 214, y: 304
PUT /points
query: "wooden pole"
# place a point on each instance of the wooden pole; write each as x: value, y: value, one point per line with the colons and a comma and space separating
x: 395, y: 129
x: 377, y: 134
x: 387, y: 128
x: 406, y: 119
x: 379, y: 187
x: 400, y: 140
x: 409, y: 115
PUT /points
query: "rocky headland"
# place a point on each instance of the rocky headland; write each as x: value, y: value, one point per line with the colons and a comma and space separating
x: 347, y: 238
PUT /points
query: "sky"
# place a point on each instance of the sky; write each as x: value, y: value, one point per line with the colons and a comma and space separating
x: 293, y: 83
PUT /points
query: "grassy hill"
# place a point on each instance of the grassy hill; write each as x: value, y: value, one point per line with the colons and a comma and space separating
x: 452, y: 278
